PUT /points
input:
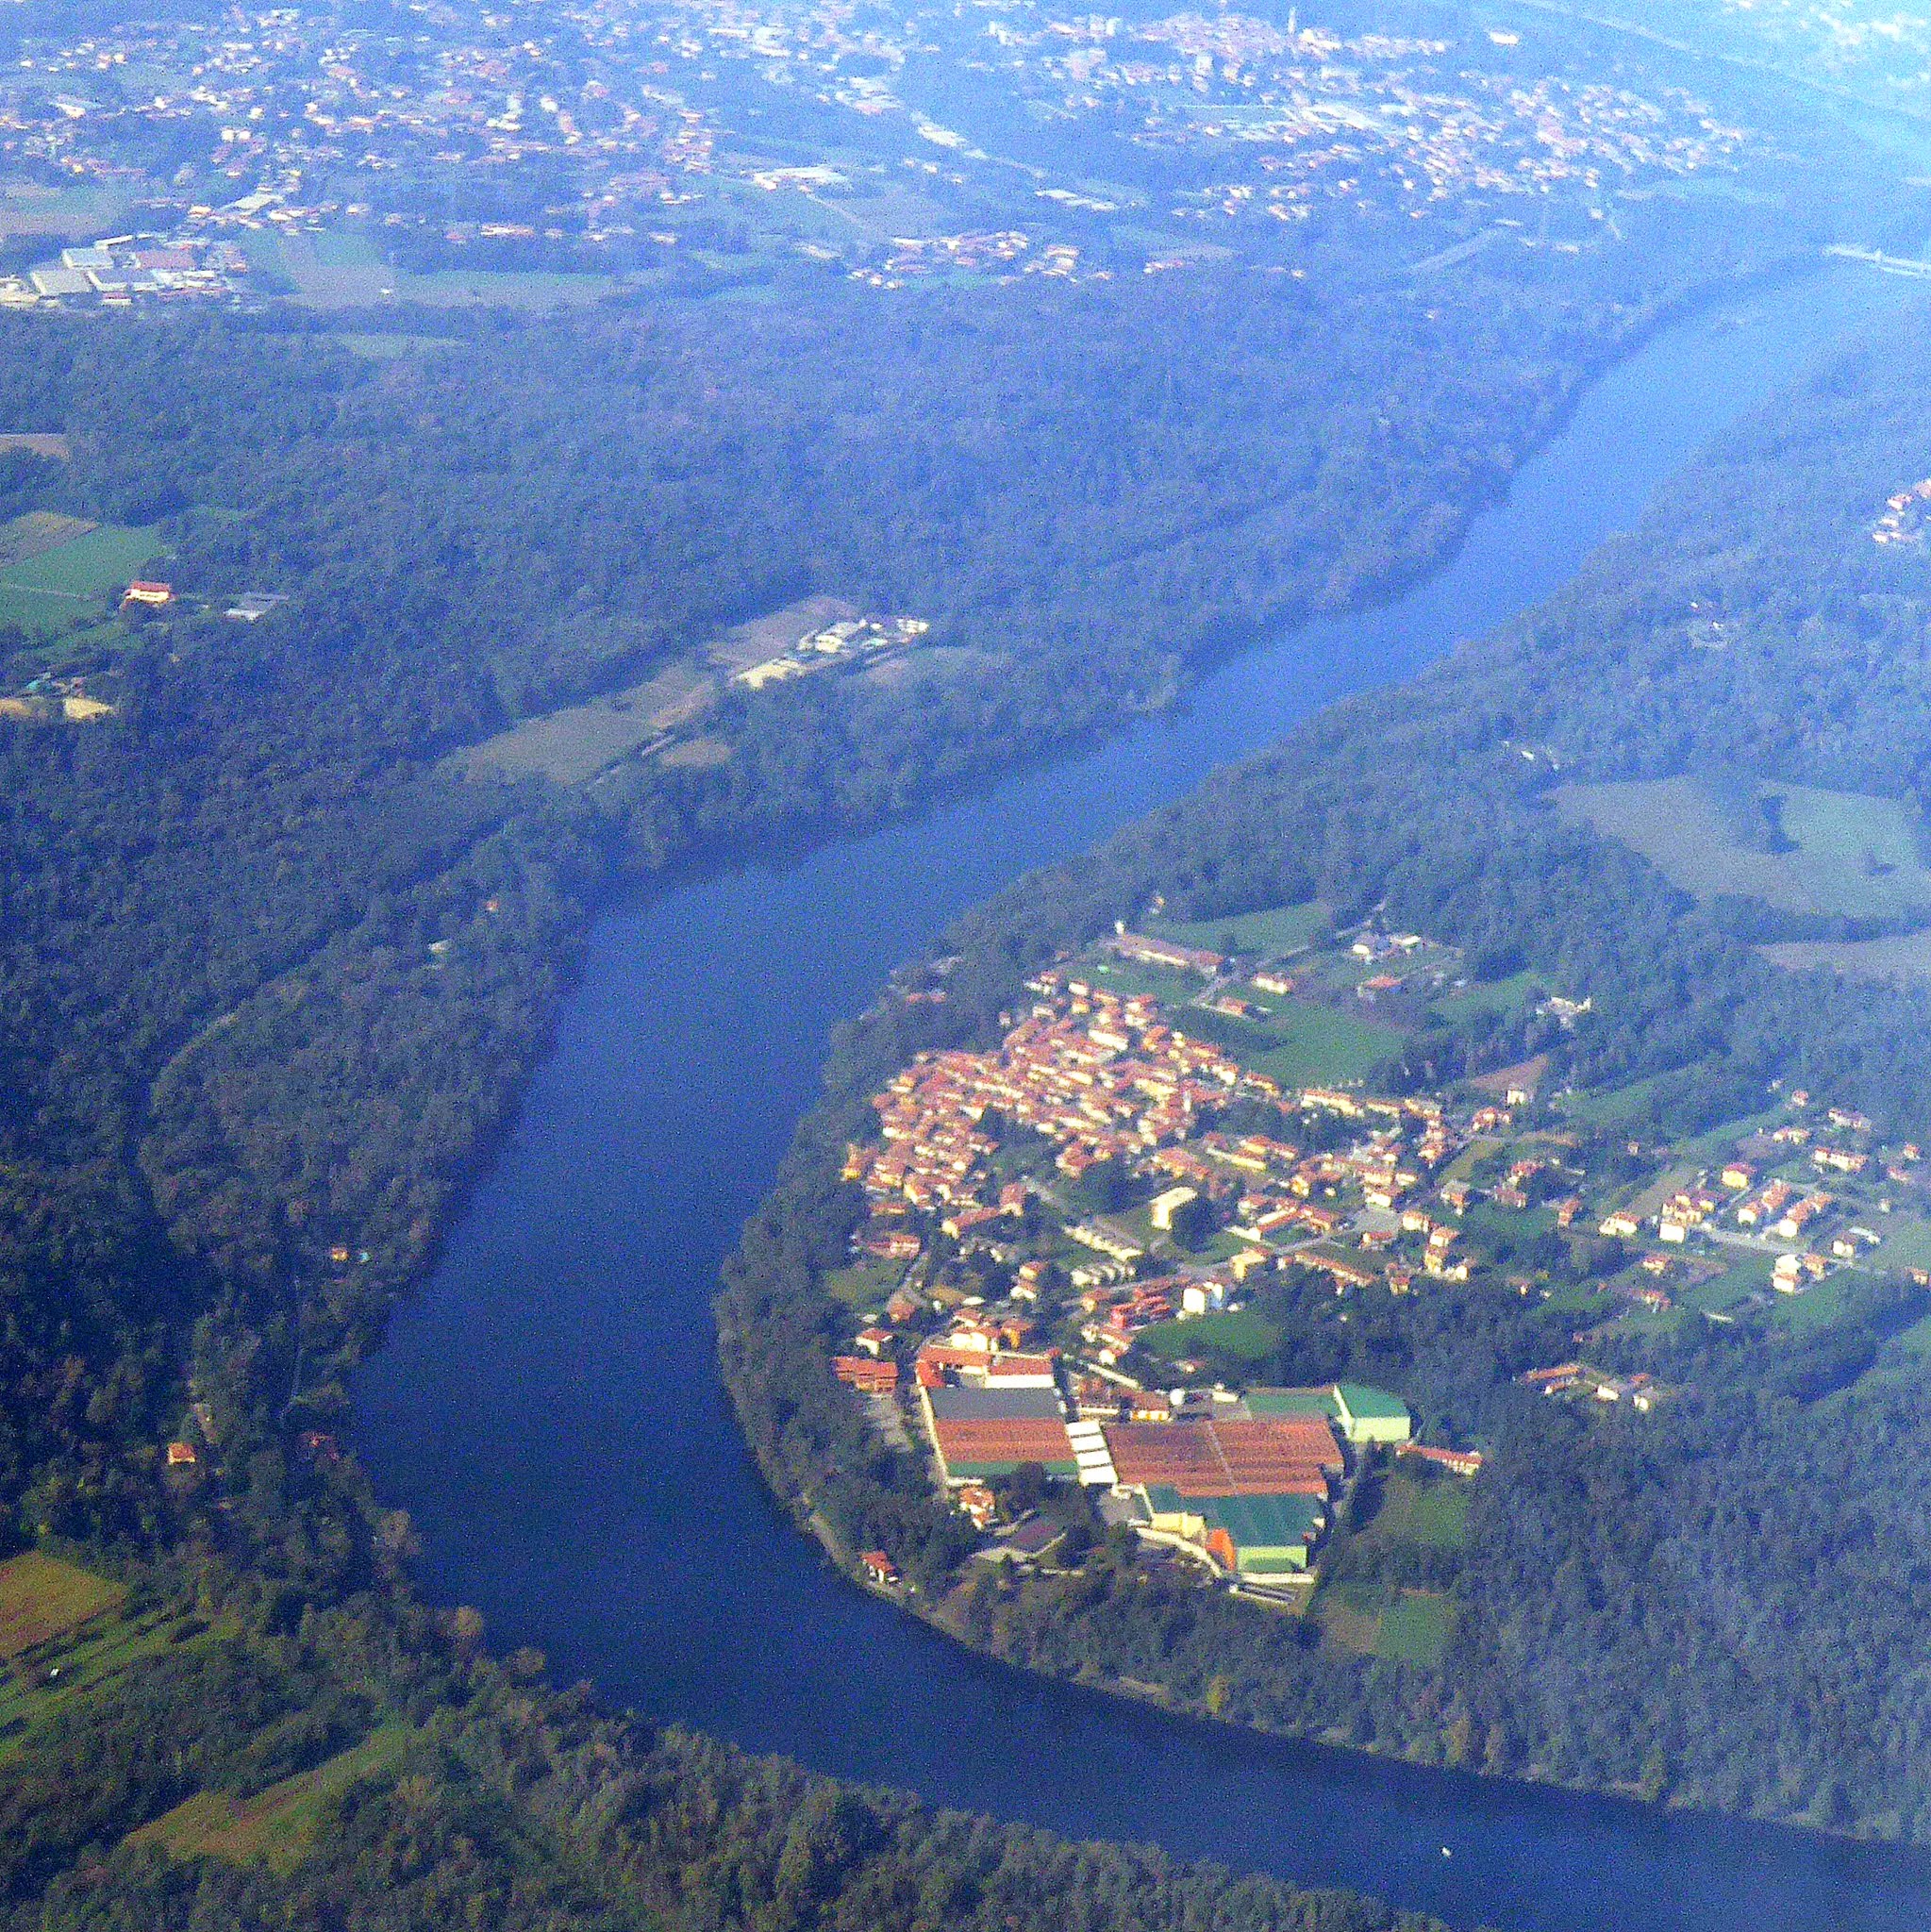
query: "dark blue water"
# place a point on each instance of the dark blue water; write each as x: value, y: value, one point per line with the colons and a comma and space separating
x: 548, y: 1408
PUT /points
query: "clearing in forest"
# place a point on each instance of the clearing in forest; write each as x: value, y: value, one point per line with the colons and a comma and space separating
x: 55, y: 571
x: 580, y: 741
x: 1792, y: 846
x: 278, y: 1824
x: 1896, y: 962
x: 43, y: 1597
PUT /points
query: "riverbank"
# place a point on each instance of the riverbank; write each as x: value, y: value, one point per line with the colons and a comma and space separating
x: 568, y: 1317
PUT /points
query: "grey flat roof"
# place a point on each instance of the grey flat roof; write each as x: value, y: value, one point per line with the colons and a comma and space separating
x: 996, y: 1405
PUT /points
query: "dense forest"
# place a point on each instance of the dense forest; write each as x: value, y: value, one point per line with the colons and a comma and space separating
x: 1721, y: 1603
x: 274, y: 970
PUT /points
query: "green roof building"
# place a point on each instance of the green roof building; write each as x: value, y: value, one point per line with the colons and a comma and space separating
x: 1362, y: 1414
x: 1372, y: 1415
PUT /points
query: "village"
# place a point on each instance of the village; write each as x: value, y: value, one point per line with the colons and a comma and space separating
x: 1065, y: 1236
x: 282, y: 125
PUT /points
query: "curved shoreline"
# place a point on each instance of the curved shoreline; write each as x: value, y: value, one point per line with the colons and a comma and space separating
x: 615, y: 1574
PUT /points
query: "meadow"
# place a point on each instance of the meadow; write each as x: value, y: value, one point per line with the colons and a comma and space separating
x: 1852, y: 854
x: 43, y: 1597
x: 279, y: 1824
x: 50, y: 581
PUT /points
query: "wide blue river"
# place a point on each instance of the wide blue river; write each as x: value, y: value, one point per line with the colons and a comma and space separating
x: 548, y: 1408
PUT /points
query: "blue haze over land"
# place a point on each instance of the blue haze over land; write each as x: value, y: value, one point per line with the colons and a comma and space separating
x: 548, y: 1408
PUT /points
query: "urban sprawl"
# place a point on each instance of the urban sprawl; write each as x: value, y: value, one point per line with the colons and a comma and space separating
x: 592, y: 136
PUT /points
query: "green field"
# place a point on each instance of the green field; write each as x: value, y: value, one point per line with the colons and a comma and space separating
x: 1126, y: 978
x: 1416, y: 1629
x: 1489, y: 996
x: 865, y: 1284
x: 277, y: 1824
x: 1907, y: 1241
x: 340, y: 270
x: 1724, y: 1291
x: 1434, y: 1513
x: 1606, y: 1105
x: 1243, y: 1337
x: 54, y: 588
x: 1300, y: 1044
x: 1894, y: 962
x: 85, y: 1657
x: 1371, y: 1620
x: 1280, y: 929
x: 1854, y: 854
x: 42, y: 1598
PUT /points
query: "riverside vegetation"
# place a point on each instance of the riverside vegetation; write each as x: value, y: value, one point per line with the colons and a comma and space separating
x: 275, y: 970
x: 1714, y: 1603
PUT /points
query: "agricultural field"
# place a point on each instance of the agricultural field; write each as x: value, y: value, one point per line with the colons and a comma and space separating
x: 48, y: 581
x: 1851, y: 854
x: 43, y: 1598
x: 574, y: 745
x: 760, y: 638
x: 33, y: 208
x: 1374, y: 1620
x: 277, y: 1824
x: 1894, y: 962
x: 347, y: 271
x: 38, y: 531
x: 1282, y: 930
x: 63, y: 1669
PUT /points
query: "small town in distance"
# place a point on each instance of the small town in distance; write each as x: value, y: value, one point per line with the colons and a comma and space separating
x: 1071, y: 1243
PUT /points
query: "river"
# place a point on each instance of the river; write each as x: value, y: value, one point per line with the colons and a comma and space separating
x: 548, y: 1408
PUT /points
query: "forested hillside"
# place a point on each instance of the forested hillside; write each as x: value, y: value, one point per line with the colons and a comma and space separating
x: 274, y: 969
x: 1716, y: 1603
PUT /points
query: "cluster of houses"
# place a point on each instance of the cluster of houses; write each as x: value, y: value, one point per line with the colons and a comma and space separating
x: 1904, y: 515
x: 1767, y: 1205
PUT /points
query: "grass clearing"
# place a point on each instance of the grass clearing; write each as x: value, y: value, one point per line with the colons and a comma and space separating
x: 1895, y: 961
x: 1612, y: 1106
x: 1245, y: 1337
x: 1487, y: 996
x: 1416, y: 1629
x: 1853, y: 854
x: 1818, y: 1307
x: 1280, y: 929
x: 1907, y: 1241
x: 340, y: 270
x: 574, y: 745
x: 386, y: 345
x: 1129, y: 977
x: 1722, y: 1292
x: 1301, y: 1043
x: 276, y: 1826
x: 865, y: 1284
x: 44, y: 1597
x: 1370, y: 1620
x: 1433, y: 1513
